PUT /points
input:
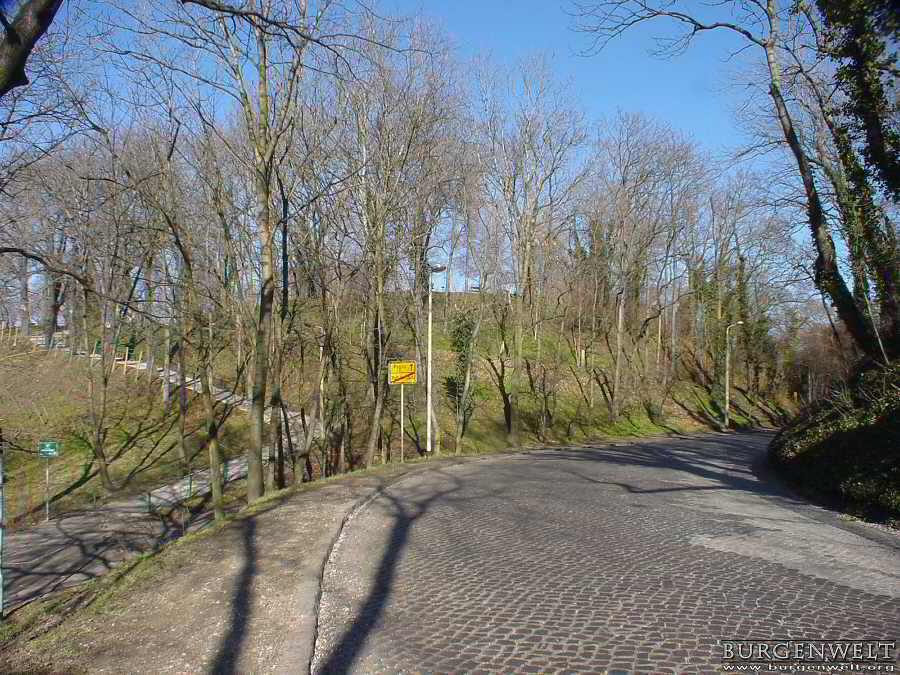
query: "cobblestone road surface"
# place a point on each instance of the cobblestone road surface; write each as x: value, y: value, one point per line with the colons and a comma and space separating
x: 627, y: 558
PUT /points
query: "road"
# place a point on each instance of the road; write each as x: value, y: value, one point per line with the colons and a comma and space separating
x: 76, y: 547
x: 623, y: 558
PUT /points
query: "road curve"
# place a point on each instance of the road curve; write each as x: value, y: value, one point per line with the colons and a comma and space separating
x: 625, y: 557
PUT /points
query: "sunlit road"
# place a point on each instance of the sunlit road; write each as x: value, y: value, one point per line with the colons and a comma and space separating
x: 626, y: 558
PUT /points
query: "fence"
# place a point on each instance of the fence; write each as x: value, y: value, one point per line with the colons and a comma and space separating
x: 26, y: 490
x: 194, y: 484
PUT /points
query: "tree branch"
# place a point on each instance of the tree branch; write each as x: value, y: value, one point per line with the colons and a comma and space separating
x: 19, y: 37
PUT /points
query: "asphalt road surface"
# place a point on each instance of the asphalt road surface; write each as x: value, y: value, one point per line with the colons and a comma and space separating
x: 78, y: 546
x: 622, y: 558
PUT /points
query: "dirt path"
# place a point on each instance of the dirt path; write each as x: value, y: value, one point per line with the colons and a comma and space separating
x: 242, y: 600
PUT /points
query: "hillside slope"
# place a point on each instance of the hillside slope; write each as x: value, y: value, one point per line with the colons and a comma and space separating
x: 53, y: 395
x: 56, y: 396
x: 845, y: 450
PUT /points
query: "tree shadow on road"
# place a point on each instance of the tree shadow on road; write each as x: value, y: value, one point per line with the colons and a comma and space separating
x: 76, y: 548
x: 405, y: 512
x: 727, y: 460
x: 232, y: 644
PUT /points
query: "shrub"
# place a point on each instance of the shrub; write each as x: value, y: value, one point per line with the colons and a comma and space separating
x: 846, y: 449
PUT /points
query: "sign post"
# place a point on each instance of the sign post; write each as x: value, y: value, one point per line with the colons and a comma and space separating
x: 2, y: 520
x: 402, y: 373
x: 48, y: 450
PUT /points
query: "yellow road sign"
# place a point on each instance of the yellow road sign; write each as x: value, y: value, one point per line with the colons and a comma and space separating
x: 402, y: 372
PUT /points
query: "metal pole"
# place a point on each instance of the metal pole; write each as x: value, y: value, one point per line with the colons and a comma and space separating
x: 428, y: 378
x: 728, y: 369
x: 2, y: 520
x: 727, y: 375
x: 47, y: 501
x: 401, y: 423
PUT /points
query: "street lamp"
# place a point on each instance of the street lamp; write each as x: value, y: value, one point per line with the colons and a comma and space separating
x: 431, y: 270
x: 728, y: 368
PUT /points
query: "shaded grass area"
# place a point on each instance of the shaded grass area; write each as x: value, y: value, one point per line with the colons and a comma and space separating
x: 845, y: 451
x: 489, y: 436
x: 54, y: 401
x: 691, y: 408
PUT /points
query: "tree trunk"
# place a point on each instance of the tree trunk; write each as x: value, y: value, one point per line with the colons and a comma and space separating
x: 255, y: 479
x: 103, y: 465
x: 98, y: 420
x: 375, y: 428
x: 182, y: 399
x: 26, y: 28
x: 827, y: 274
x: 511, y: 403
x: 212, y: 439
x: 25, y: 297
x: 264, y: 157
x: 277, y: 440
x: 377, y: 373
x: 167, y: 364
x: 54, y: 302
x: 617, y: 376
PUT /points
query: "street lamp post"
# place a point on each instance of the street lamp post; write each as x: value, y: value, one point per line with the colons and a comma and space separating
x: 428, y: 413
x: 728, y: 368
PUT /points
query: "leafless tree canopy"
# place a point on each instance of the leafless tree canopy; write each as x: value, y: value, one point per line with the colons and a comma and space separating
x: 254, y: 196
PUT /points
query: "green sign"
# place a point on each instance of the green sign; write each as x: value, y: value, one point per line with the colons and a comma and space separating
x: 48, y: 449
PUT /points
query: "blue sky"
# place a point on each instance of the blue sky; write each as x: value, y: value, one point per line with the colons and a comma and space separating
x: 686, y: 91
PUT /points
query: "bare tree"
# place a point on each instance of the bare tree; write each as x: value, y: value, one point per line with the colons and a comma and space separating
x: 530, y: 136
x: 760, y: 25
